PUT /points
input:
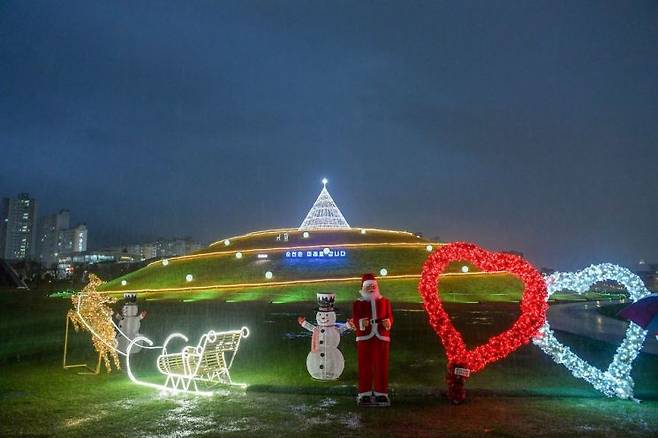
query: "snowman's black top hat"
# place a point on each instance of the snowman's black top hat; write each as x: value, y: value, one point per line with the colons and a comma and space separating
x: 130, y: 297
x: 326, y: 302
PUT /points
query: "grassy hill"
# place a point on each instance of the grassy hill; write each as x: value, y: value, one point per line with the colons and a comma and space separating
x: 241, y: 263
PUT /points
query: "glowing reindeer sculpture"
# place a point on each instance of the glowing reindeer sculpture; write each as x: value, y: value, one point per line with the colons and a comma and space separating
x: 92, y: 312
x: 202, y: 366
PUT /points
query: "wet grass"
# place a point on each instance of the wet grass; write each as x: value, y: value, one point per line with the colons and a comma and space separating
x: 524, y: 394
x: 54, y: 402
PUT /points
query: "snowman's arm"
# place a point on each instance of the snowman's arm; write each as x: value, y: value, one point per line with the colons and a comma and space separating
x: 308, y: 326
x: 342, y: 327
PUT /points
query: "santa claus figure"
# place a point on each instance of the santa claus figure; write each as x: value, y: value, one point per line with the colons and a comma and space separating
x: 372, y: 319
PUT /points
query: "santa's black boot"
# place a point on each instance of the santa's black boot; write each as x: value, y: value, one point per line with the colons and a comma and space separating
x: 382, y: 400
x: 365, y: 399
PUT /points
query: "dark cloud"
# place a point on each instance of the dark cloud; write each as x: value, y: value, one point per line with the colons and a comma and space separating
x: 528, y: 126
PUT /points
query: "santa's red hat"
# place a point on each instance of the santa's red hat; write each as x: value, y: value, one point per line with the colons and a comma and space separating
x: 367, y: 277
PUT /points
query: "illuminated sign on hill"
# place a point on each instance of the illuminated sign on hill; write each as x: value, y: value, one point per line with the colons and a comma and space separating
x: 316, y: 254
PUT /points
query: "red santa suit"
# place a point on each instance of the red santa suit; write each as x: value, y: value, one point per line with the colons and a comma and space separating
x: 372, y: 340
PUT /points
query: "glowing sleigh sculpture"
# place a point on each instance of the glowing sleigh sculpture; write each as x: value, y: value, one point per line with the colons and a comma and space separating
x: 195, y: 369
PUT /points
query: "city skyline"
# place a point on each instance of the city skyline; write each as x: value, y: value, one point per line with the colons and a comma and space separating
x: 43, y: 224
x: 514, y: 126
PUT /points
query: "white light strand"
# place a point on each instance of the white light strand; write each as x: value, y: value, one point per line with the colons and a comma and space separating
x: 187, y: 378
x: 616, y: 381
x: 120, y: 332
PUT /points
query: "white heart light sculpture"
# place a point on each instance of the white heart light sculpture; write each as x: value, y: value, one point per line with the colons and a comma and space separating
x: 617, y: 380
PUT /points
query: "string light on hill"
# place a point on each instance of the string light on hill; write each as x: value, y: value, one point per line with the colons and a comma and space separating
x: 283, y: 249
x: 277, y: 231
x: 616, y: 381
x: 296, y: 282
x: 261, y: 253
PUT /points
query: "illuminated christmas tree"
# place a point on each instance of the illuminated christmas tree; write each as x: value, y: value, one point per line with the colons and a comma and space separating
x: 324, y: 214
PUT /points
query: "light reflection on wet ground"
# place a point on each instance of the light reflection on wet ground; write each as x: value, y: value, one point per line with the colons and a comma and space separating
x: 584, y: 319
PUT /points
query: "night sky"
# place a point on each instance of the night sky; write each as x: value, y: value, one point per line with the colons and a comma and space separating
x: 517, y: 125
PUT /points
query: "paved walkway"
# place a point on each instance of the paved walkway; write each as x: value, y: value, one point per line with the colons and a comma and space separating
x: 584, y: 319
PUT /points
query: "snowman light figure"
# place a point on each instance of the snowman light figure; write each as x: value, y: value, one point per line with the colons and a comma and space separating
x: 325, y: 361
x: 129, y: 322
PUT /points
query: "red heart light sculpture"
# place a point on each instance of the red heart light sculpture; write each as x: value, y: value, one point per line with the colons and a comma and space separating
x: 533, y: 304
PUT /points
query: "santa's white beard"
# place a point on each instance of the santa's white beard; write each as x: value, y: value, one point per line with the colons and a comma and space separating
x: 369, y: 296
